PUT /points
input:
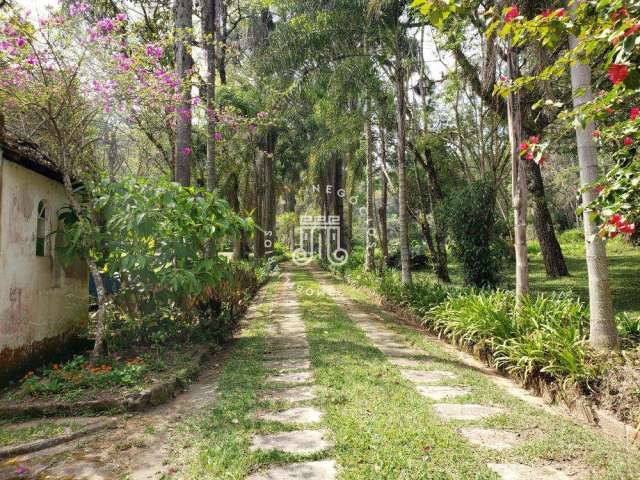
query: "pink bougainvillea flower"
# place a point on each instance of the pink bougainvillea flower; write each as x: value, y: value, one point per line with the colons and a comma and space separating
x: 534, y: 139
x: 217, y: 136
x: 596, y: 133
x: 529, y: 156
x: 121, y: 17
x: 187, y: 150
x: 511, y: 14
x: 105, y: 25
x: 77, y: 8
x: 153, y: 50
x: 20, y: 42
x: 546, y: 13
x: 262, y: 115
x: 617, y: 73
x: 524, y: 146
x: 628, y: 141
x: 633, y: 114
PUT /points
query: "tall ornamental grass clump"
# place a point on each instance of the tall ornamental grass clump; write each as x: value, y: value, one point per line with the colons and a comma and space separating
x: 546, y: 336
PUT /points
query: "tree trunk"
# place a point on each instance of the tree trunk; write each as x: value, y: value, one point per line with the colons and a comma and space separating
x: 183, y: 25
x: 554, y: 262
x: 98, y: 345
x: 553, y: 259
x: 436, y: 196
x: 258, y: 212
x: 403, y: 220
x: 382, y: 211
x: 603, y: 333
x: 369, y: 258
x: 338, y: 207
x: 291, y: 208
x: 518, y: 182
x: 209, y: 17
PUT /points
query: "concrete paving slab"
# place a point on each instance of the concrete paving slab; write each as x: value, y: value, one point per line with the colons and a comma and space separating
x: 301, y: 442
x: 320, y: 470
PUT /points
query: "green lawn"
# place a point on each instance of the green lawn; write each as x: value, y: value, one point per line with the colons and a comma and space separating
x: 624, y: 273
x: 382, y: 427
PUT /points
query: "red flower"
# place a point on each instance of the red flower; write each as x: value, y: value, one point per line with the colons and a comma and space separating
x: 633, y: 114
x: 621, y: 12
x: 560, y: 12
x: 628, y: 228
x: 610, y: 110
x: 511, y: 14
x: 617, y: 73
x: 599, y: 188
x: 628, y: 141
x: 524, y: 146
x: 631, y: 30
x: 529, y: 156
x: 596, y: 133
x: 615, y: 219
x: 546, y: 13
x: 534, y: 139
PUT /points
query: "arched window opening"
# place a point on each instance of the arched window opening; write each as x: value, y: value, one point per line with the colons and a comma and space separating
x: 41, y: 230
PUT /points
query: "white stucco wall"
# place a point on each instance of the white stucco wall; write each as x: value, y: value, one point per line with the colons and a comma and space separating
x: 39, y: 298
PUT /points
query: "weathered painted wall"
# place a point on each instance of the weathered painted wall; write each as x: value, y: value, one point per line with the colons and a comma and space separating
x: 42, y: 303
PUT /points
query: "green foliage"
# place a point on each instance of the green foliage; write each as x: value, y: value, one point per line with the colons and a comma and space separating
x: 471, y: 219
x: 159, y: 241
x: 71, y: 378
x: 544, y: 337
x: 628, y: 326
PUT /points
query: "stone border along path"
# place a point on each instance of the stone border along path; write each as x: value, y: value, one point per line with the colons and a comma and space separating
x: 288, y: 356
x: 427, y: 384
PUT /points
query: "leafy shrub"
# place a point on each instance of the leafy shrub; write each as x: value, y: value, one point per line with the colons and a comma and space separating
x: 628, y: 326
x: 472, y: 223
x: 160, y: 241
x: 573, y: 236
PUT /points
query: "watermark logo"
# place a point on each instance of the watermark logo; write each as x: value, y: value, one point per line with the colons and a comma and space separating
x: 323, y: 232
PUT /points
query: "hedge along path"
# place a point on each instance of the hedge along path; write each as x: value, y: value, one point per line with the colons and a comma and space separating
x: 514, y: 439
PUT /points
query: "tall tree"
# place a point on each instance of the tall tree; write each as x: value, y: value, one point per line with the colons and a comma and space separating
x: 209, y: 21
x: 518, y: 180
x: 183, y: 148
x: 369, y: 264
x: 403, y: 216
x: 603, y: 333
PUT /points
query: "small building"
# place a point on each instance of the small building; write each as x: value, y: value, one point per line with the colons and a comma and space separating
x: 43, y: 303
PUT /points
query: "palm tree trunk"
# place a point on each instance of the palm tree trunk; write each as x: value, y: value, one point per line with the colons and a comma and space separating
x: 603, y: 334
x: 403, y: 218
x: 382, y: 211
x: 369, y: 264
x: 518, y: 182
